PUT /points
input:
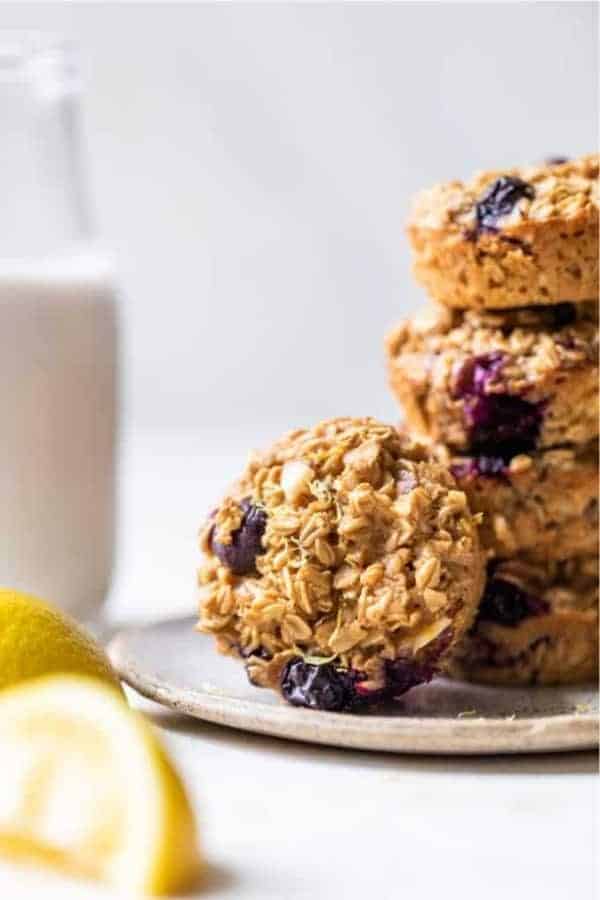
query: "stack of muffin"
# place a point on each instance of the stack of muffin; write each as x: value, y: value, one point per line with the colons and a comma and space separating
x: 500, y: 374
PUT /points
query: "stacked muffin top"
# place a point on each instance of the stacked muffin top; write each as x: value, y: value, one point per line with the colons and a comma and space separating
x: 501, y: 376
x: 522, y: 237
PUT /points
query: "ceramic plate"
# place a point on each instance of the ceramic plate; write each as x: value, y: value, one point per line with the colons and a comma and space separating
x: 172, y: 664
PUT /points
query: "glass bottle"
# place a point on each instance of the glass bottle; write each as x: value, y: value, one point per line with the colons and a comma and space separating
x: 58, y: 341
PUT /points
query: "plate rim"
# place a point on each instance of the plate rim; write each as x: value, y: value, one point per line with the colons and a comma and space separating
x: 409, y: 734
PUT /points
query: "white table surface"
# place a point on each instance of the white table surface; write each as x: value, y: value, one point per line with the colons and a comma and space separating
x: 284, y: 821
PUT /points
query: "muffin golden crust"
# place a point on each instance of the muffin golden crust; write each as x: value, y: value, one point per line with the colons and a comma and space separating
x: 517, y: 237
x: 545, y: 504
x: 502, y: 381
x: 537, y: 624
x: 343, y: 566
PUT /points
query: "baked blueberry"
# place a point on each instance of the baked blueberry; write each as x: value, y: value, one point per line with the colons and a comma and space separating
x: 500, y: 424
x: 246, y: 541
x: 507, y: 604
x: 503, y: 425
x: 328, y: 687
x: 323, y: 686
x: 477, y: 373
x: 404, y: 674
x: 499, y: 200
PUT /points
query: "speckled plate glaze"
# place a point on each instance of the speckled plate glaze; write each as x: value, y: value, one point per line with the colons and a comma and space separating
x: 172, y: 664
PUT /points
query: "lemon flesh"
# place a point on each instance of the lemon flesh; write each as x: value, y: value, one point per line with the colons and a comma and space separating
x: 37, y: 639
x: 86, y: 787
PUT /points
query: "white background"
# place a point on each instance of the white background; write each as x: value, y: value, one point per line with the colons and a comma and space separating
x: 252, y: 166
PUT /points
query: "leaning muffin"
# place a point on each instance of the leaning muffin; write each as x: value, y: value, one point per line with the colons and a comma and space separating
x: 510, y: 238
x: 537, y: 624
x: 343, y: 566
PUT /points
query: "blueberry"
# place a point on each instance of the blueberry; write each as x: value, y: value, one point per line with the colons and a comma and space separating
x: 323, y: 686
x: 404, y: 674
x: 329, y: 687
x: 503, y: 425
x: 499, y: 200
x: 477, y: 373
x: 506, y: 604
x: 500, y: 425
x: 436, y: 649
x: 365, y: 696
x: 556, y: 160
x: 246, y: 542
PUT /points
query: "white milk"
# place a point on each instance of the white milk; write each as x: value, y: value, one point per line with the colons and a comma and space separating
x: 58, y: 347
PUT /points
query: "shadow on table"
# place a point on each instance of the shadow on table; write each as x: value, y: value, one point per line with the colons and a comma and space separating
x: 215, y: 880
x: 582, y: 762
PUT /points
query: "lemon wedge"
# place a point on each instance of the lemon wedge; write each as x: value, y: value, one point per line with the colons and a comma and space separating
x: 87, y: 788
x: 38, y: 639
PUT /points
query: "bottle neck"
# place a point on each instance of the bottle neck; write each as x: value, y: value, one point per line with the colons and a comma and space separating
x: 43, y: 209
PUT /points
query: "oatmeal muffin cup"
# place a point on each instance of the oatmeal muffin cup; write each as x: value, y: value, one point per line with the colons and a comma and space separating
x: 500, y: 383
x: 537, y: 624
x: 510, y: 238
x: 545, y: 504
x: 343, y: 566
